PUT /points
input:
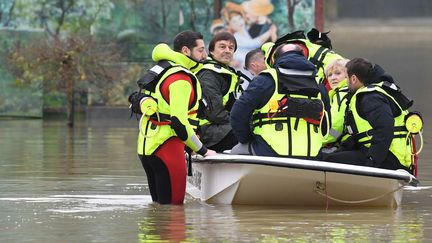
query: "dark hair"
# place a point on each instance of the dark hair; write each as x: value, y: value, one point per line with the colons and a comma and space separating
x: 226, y: 36
x: 251, y: 55
x: 361, y: 68
x: 186, y: 38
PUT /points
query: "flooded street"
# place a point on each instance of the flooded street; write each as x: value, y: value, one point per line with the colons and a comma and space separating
x: 87, y: 185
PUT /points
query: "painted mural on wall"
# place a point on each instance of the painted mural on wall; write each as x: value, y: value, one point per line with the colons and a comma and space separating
x: 252, y: 22
x: 134, y: 26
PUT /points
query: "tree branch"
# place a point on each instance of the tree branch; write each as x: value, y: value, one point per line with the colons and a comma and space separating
x: 10, y: 13
x: 64, y: 10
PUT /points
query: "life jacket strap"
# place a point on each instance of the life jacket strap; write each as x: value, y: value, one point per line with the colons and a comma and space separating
x: 370, y: 133
x: 165, y: 119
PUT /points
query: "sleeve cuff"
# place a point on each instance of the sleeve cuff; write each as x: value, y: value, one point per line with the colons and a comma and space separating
x: 202, y: 151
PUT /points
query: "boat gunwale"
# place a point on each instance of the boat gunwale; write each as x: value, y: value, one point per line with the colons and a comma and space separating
x: 315, y: 165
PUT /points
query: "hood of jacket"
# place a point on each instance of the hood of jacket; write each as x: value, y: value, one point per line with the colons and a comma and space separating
x: 163, y: 52
x: 377, y: 75
x: 294, y: 60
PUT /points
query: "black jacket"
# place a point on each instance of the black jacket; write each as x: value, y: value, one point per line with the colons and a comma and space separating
x: 213, y: 87
x: 379, y: 111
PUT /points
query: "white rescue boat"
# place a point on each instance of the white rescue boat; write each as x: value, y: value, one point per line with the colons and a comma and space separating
x: 258, y: 180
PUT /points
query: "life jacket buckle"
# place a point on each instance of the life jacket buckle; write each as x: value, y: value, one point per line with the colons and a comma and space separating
x: 369, y: 135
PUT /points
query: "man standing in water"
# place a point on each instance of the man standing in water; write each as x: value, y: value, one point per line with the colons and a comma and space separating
x: 168, y: 124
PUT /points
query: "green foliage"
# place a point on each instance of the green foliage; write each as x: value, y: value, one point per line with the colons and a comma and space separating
x: 135, y: 26
x: 304, y: 15
x: 70, y: 60
x: 138, y: 25
x: 54, y: 100
x: 67, y: 65
x: 279, y: 17
x: 58, y: 16
x: 197, y: 15
x: 5, y: 11
x: 17, y: 98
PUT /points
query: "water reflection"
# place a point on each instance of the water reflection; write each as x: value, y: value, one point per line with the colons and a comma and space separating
x: 253, y: 224
x: 332, y: 226
x: 193, y: 222
x: 163, y: 222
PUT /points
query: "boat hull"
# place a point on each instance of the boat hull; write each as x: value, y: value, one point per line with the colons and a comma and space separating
x: 253, y: 180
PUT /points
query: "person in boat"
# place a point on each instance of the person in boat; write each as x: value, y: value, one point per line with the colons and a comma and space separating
x: 268, y: 49
x: 169, y: 104
x: 280, y: 112
x: 375, y: 120
x: 319, y: 54
x: 221, y: 86
x: 337, y: 77
x: 255, y: 61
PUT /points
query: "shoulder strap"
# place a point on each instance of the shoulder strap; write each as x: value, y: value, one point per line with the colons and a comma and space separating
x: 241, y: 79
x: 316, y: 60
x: 149, y: 80
x: 396, y: 92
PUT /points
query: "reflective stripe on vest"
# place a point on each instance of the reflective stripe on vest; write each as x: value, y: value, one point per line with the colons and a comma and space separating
x: 287, y: 136
x: 337, y: 111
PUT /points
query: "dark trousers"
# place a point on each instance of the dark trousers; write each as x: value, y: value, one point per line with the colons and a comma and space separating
x: 357, y: 157
x: 228, y: 142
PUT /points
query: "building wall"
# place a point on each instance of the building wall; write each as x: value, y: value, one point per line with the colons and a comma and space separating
x: 379, y: 8
x: 400, y: 45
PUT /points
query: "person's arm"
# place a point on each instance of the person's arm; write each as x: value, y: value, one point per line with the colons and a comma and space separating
x: 211, y: 84
x: 269, y: 34
x: 255, y: 96
x: 376, y: 109
x: 246, y: 42
x: 179, y: 94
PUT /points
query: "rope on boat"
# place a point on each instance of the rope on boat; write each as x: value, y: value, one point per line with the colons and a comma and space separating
x: 358, y: 201
x: 319, y: 191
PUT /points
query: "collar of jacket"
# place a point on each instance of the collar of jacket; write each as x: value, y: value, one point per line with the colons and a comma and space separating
x: 216, y: 63
x: 343, y: 83
x: 294, y: 60
x: 163, y: 52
